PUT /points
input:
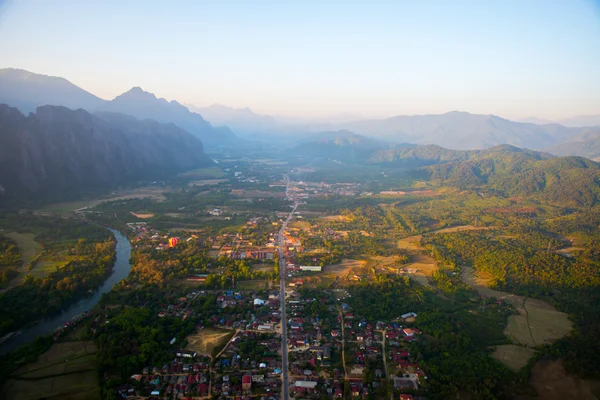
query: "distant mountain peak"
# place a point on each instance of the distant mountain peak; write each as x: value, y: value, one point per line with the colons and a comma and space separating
x: 137, y: 92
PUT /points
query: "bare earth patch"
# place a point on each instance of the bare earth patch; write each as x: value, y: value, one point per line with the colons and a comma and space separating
x: 142, y: 216
x: 421, y: 268
x: 205, y: 341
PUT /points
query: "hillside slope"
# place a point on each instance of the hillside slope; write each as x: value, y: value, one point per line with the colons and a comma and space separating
x: 57, y: 150
x: 27, y: 91
x: 586, y: 144
x: 507, y: 170
x: 462, y: 131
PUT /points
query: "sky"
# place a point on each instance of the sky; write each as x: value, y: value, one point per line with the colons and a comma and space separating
x: 321, y: 58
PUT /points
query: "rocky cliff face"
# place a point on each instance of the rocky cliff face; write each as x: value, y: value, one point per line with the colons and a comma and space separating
x: 57, y: 150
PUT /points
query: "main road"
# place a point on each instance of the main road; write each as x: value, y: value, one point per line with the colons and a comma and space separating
x: 285, y: 393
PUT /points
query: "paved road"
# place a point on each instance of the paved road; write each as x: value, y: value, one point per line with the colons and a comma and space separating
x: 285, y: 394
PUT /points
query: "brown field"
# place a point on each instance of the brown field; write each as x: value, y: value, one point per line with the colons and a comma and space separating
x: 342, y: 218
x: 142, y: 216
x: 65, y: 371
x: 345, y: 267
x: 423, y: 266
x: 551, y: 382
x: 537, y: 322
x: 205, y: 341
x: 302, y: 225
x: 514, y: 357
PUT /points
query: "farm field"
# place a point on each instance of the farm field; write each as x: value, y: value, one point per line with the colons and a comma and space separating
x: 65, y: 371
x: 41, y: 269
x: 420, y: 268
x: 207, y: 339
x: 345, y: 267
x: 513, y: 356
x: 148, y: 192
x: 537, y: 322
x: 29, y: 249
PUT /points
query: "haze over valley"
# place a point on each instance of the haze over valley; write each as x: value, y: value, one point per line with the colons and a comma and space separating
x: 316, y: 200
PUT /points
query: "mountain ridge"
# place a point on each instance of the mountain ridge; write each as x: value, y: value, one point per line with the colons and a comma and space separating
x: 57, y: 150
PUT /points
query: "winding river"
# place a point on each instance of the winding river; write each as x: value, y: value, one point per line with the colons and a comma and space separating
x: 47, y: 326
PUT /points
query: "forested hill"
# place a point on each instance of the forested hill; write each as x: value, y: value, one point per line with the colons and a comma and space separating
x: 57, y: 151
x: 566, y: 181
x: 339, y: 145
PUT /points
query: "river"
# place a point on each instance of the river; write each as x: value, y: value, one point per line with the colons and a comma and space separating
x: 48, y: 326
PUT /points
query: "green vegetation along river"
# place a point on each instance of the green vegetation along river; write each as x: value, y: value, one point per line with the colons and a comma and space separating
x: 47, y: 326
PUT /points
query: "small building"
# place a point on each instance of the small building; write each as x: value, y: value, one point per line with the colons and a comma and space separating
x: 305, y: 384
x: 246, y: 382
x: 186, y: 353
x: 312, y: 268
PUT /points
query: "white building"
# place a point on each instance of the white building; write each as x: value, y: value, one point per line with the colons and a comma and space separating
x: 314, y: 268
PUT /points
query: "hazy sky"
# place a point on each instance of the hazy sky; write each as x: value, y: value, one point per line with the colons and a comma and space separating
x: 510, y: 58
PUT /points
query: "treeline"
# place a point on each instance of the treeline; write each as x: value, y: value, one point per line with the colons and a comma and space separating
x: 521, y: 264
x: 515, y: 265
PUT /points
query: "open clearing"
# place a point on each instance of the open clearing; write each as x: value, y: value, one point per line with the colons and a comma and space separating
x: 345, y: 267
x: 142, y: 215
x: 65, y: 371
x: 29, y: 249
x: 412, y: 242
x: 42, y: 269
x: 259, y: 267
x: 341, y: 218
x: 537, y: 322
x: 205, y: 341
x: 551, y: 382
x: 513, y: 356
x: 207, y: 182
x: 204, y: 173
x: 252, y: 285
x: 420, y: 268
x: 155, y: 193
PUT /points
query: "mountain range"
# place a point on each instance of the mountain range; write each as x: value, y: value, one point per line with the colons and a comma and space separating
x: 27, y: 91
x: 453, y: 130
x: 56, y: 151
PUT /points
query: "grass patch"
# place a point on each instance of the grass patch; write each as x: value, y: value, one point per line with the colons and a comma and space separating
x: 204, y: 173
x: 252, y: 285
x: 513, y: 356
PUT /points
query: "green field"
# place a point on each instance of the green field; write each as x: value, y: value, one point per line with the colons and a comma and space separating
x: 252, y: 285
x: 65, y: 371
